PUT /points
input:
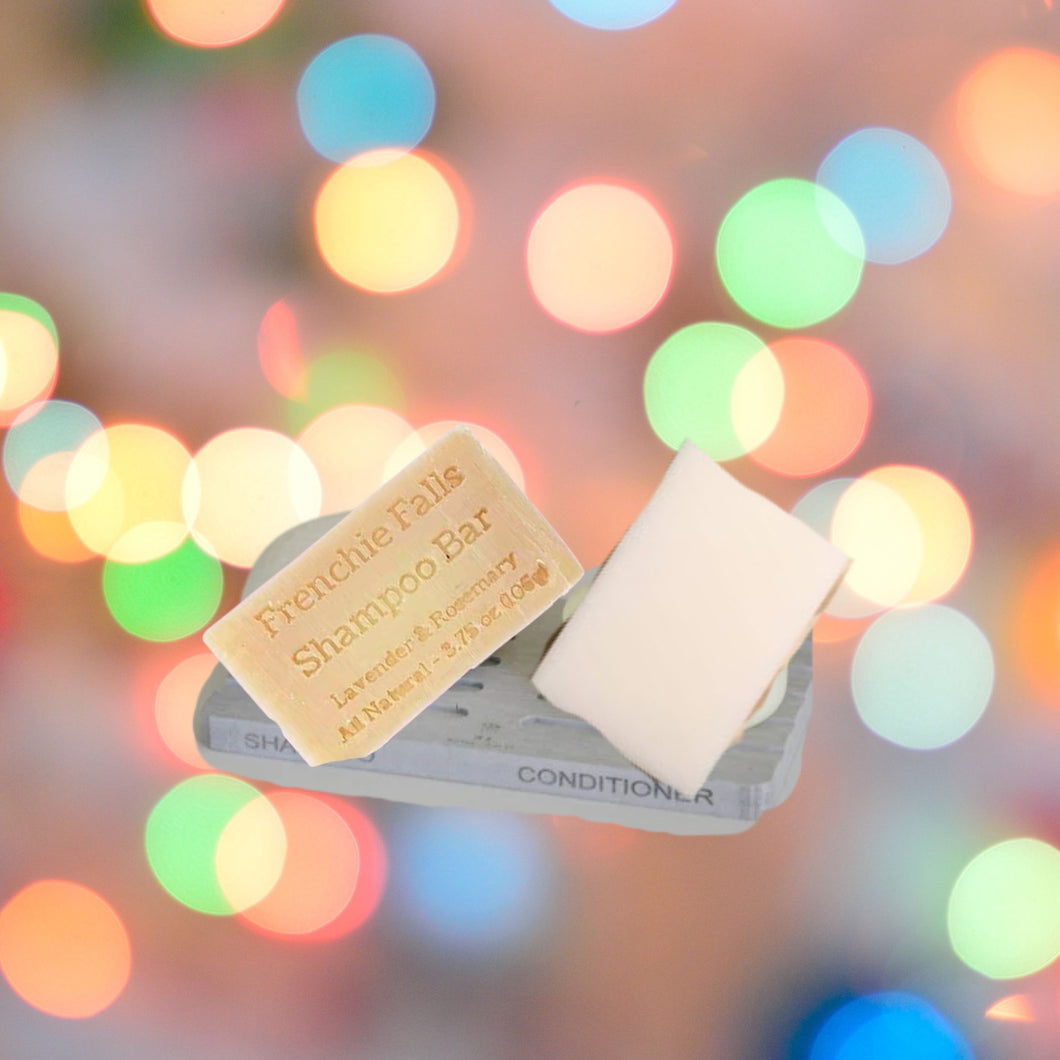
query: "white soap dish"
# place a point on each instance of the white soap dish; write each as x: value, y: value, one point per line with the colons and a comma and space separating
x: 492, y: 742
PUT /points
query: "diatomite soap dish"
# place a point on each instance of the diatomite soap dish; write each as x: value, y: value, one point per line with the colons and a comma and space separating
x: 491, y: 741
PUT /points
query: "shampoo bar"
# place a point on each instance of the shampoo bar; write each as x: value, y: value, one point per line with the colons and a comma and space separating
x: 428, y: 577
x: 701, y: 604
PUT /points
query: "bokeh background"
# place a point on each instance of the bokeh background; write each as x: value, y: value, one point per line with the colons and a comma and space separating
x: 254, y: 253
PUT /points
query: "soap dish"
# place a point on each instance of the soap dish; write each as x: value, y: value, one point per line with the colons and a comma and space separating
x: 493, y: 742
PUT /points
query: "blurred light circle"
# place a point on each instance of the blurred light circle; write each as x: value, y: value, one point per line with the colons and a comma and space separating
x: 470, y: 882
x: 599, y: 257
x: 208, y: 24
x: 320, y: 872
x: 387, y: 221
x: 1014, y: 1008
x: 280, y: 351
x: 371, y: 878
x: 1035, y: 626
x: 52, y: 535
x: 350, y: 446
x: 183, y: 832
x: 825, y: 412
x: 876, y: 527
x: 896, y: 189
x: 613, y: 14
x: 344, y: 377
x: 250, y: 853
x: 1008, y: 120
x: 333, y: 875
x: 43, y: 438
x: 714, y: 383
x: 30, y: 357
x: 888, y: 1026
x: 922, y: 676
x: 1004, y: 910
x: 175, y: 700
x: 244, y: 488
x: 63, y: 949
x: 123, y: 491
x: 842, y: 617
x: 166, y: 598
x: 907, y: 530
x: 363, y: 93
x: 945, y: 527
x: 790, y: 253
x: 424, y: 437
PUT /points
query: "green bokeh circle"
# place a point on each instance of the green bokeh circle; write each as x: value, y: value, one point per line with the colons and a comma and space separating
x: 182, y: 834
x: 688, y: 386
x: 922, y: 676
x: 1004, y: 910
x: 167, y: 598
x: 790, y: 253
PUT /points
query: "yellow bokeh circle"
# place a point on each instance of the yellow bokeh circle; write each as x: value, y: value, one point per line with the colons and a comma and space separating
x: 878, y: 529
x: 600, y: 256
x: 244, y: 488
x: 209, y: 24
x: 29, y: 363
x: 123, y: 492
x: 1008, y: 120
x: 387, y: 221
x: 945, y: 527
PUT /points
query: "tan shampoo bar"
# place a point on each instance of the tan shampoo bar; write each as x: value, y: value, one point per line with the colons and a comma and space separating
x: 422, y: 582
